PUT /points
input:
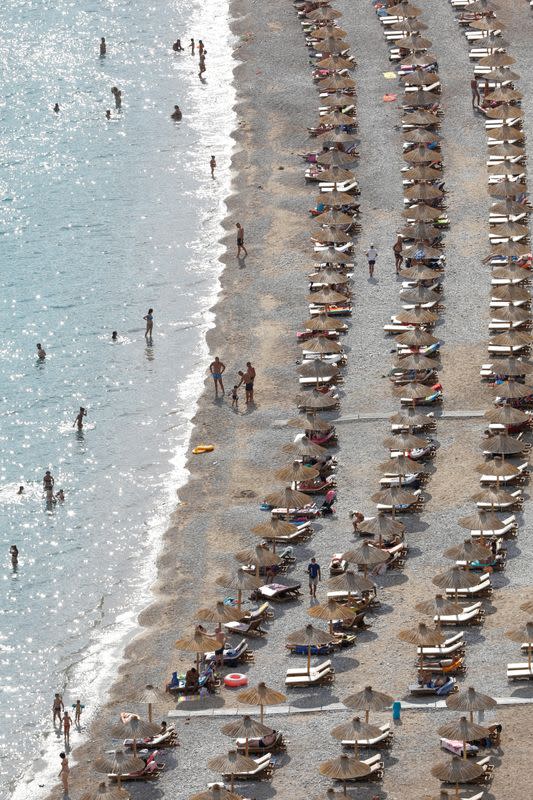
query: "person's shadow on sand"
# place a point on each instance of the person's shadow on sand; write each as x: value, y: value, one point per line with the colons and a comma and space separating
x: 242, y: 261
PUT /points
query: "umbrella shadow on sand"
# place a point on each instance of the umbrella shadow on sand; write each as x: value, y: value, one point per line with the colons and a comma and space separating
x: 315, y: 700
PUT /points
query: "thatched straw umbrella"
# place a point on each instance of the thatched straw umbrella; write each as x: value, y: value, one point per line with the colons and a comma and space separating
x: 523, y: 635
x: 357, y: 730
x: 150, y: 695
x: 367, y: 700
x: 245, y: 728
x: 309, y: 637
x: 464, y: 731
x: 197, y: 642
x: 331, y: 611
x: 366, y: 555
x: 216, y: 792
x: 344, y: 768
x: 470, y: 700
x: 136, y: 728
x: 261, y: 695
x: 457, y: 771
x: 118, y: 763
x: 422, y: 636
x: 105, y: 792
x: 231, y: 764
x: 456, y: 578
x: 241, y: 582
x: 258, y: 557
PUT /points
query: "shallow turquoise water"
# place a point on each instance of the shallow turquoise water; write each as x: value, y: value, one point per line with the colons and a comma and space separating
x: 98, y: 221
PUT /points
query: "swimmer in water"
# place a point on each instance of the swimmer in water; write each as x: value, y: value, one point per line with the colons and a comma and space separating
x: 79, y: 419
x: 176, y: 114
x: 56, y: 108
x: 103, y: 46
x: 114, y: 336
x: 21, y: 490
x: 192, y: 47
x: 212, y: 165
x: 177, y: 46
x: 108, y: 114
x: 60, y: 496
x: 41, y: 352
x: 14, y: 553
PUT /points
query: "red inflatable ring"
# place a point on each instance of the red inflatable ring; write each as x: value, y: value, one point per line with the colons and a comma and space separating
x: 236, y: 679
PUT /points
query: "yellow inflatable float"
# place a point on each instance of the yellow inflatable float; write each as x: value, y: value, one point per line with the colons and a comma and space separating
x: 203, y: 448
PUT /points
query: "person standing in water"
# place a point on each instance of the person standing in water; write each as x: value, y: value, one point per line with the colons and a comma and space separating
x: 240, y: 240
x: 66, y: 729
x: 149, y: 317
x: 201, y: 48
x: 57, y: 708
x: 177, y: 46
x: 114, y: 336
x: 14, y: 553
x: 48, y: 485
x: 213, y: 165
x: 202, y: 64
x: 41, y: 352
x: 108, y: 114
x: 176, y: 114
x: 103, y: 47
x: 79, y: 419
x: 117, y: 94
x: 191, y: 45
x: 21, y: 490
x: 56, y: 108
x: 78, y: 708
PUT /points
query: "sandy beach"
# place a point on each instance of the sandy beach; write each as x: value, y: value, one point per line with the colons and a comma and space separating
x: 261, y: 304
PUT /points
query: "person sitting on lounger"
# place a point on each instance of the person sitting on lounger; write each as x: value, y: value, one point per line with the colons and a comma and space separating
x: 191, y: 680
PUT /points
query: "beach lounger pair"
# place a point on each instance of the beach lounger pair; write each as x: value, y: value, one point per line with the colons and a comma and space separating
x: 455, y: 747
x: 452, y: 646
x: 519, y: 672
x: 263, y: 770
x: 150, y: 771
x: 516, y: 502
x: 317, y: 676
x: 446, y: 666
x: 167, y: 739
x: 524, y: 469
x: 271, y: 742
x: 510, y: 527
x: 252, y: 628
x: 488, y: 770
x: 433, y: 689
x: 470, y: 615
x: 307, y: 513
x: 277, y: 591
x: 235, y: 655
x: 383, y: 740
x: 481, y: 589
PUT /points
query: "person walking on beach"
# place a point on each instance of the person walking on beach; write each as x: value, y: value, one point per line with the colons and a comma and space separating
x: 212, y: 166
x: 66, y: 729
x: 397, y: 250
x: 371, y: 255
x: 41, y: 352
x: 315, y: 575
x: 240, y: 240
x: 57, y: 708
x: 79, y: 419
x: 191, y: 45
x: 48, y: 486
x: 476, y: 99
x: 217, y: 369
x: 235, y: 398
x: 64, y: 773
x: 149, y: 319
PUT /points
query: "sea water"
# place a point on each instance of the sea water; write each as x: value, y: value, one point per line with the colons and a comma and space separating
x: 99, y: 220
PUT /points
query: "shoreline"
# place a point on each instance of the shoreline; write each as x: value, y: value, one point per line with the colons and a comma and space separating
x: 156, y: 628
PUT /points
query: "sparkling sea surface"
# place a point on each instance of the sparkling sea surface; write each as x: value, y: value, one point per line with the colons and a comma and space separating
x: 99, y: 220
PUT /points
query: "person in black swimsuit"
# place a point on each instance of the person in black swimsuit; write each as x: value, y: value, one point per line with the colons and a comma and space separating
x: 240, y: 240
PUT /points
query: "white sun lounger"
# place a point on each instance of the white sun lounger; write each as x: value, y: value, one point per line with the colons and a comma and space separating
x: 457, y: 639
x: 519, y: 672
x: 385, y: 735
x: 317, y: 668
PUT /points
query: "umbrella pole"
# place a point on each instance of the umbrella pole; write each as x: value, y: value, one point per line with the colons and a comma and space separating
x: 134, y: 746
x: 232, y: 782
x: 239, y: 599
x: 464, y: 749
x: 261, y: 707
x: 529, y: 656
x: 246, y: 747
x: 367, y: 714
x: 149, y: 712
x: 308, y: 659
x: 344, y: 788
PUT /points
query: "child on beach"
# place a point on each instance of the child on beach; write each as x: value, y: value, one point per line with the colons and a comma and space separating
x: 235, y: 398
